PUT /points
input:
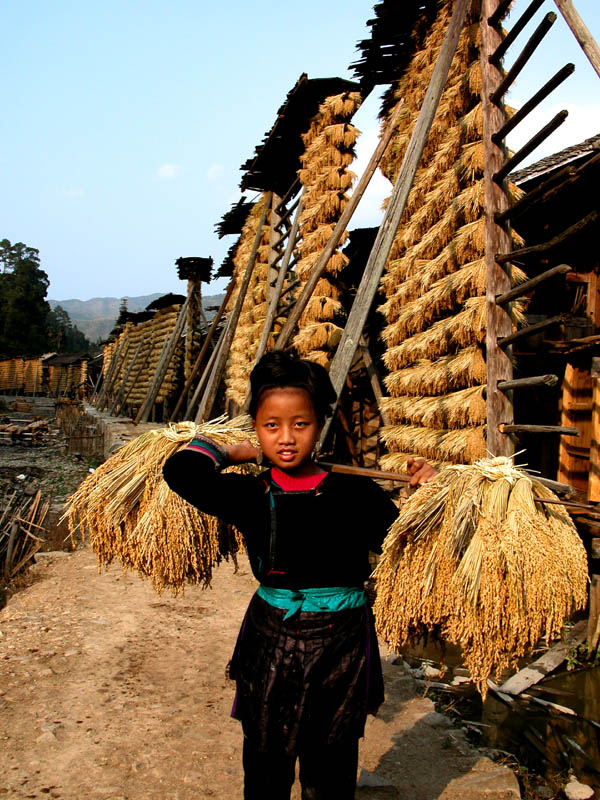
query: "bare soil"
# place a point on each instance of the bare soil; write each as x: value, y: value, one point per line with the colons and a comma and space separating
x: 109, y: 691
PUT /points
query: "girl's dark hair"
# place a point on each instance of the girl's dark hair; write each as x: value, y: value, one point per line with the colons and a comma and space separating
x: 277, y: 369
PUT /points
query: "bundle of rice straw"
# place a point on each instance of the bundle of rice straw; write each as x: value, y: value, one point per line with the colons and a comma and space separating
x: 131, y: 515
x: 474, y: 557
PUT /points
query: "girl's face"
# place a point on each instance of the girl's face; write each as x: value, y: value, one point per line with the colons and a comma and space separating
x: 288, y: 429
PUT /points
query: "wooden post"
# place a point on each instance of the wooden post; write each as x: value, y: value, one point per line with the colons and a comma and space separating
x: 202, y: 354
x: 274, y: 243
x: 341, y: 225
x: 373, y: 378
x: 593, y: 629
x: 121, y: 391
x: 384, y: 240
x: 214, y: 380
x: 594, y: 482
x: 199, y: 390
x: 166, y: 355
x: 586, y: 41
x: 277, y: 290
x: 497, y: 240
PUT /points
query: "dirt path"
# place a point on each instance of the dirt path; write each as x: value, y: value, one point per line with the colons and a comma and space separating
x: 109, y: 691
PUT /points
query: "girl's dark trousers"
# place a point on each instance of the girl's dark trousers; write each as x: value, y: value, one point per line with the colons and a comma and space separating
x: 326, y: 772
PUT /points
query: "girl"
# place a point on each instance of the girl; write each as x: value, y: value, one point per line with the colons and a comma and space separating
x: 306, y: 662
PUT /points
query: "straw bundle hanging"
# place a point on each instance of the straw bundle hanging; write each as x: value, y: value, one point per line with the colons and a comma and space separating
x: 475, y: 557
x: 435, y: 278
x: 130, y: 514
x: 329, y: 150
x: 252, y: 318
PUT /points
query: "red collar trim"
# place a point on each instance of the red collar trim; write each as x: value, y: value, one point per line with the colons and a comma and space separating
x: 291, y: 484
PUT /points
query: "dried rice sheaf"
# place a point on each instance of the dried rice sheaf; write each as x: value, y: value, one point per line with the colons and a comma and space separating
x: 476, y: 557
x: 130, y: 514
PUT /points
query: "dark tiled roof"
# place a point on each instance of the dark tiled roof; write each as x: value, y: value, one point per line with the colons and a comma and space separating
x: 397, y: 31
x: 556, y: 160
x: 277, y: 159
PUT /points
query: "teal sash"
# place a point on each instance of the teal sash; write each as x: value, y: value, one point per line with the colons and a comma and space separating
x: 330, y: 598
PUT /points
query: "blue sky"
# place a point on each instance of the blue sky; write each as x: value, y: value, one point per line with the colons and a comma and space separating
x: 125, y: 123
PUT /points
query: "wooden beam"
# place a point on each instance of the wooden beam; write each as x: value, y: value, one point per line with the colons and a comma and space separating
x: 294, y: 188
x: 553, y: 658
x: 531, y: 145
x: 501, y: 11
x: 275, y: 254
x: 521, y: 60
x: 341, y: 225
x: 563, y: 430
x: 527, y: 383
x: 373, y: 378
x: 386, y: 234
x: 516, y: 29
x: 581, y: 32
x: 497, y: 239
x: 210, y: 392
x: 593, y: 626
x: 537, y: 98
x: 529, y: 329
x: 528, y: 286
x: 123, y: 386
x: 277, y: 290
x: 594, y: 482
x: 136, y: 378
x: 536, y: 249
x: 202, y: 354
x: 558, y: 488
x: 201, y: 385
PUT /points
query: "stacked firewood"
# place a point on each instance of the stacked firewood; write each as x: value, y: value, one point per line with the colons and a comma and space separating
x: 15, y: 431
x: 21, y: 530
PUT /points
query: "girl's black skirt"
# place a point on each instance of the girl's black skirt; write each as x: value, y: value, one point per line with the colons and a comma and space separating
x: 306, y: 681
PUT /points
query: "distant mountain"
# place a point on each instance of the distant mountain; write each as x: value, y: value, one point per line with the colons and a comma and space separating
x: 96, y: 317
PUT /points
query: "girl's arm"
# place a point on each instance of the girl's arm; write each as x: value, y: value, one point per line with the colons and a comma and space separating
x: 195, y: 474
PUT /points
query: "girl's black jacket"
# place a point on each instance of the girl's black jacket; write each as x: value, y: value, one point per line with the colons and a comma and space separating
x: 295, y: 539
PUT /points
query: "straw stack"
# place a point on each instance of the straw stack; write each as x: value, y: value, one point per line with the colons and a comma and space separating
x: 131, y: 516
x: 435, y: 279
x: 254, y: 310
x: 476, y: 558
x: 152, y: 334
x: 329, y: 150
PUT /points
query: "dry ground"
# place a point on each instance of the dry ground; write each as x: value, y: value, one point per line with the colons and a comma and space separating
x: 109, y: 691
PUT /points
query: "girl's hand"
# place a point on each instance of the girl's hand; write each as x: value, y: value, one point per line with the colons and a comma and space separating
x: 421, y: 471
x: 241, y: 453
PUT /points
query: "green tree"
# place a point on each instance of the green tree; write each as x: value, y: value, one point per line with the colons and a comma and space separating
x: 23, y: 307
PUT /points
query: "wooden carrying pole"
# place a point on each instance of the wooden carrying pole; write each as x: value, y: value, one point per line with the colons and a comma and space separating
x: 382, y: 246
x: 586, y: 41
x: 336, y: 234
x: 202, y: 354
x: 210, y: 392
x: 161, y: 370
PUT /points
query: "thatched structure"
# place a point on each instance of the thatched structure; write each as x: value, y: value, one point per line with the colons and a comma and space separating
x: 435, y: 279
x: 329, y: 151
x: 131, y: 359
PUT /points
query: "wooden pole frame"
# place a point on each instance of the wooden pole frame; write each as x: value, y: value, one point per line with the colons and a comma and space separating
x: 581, y: 32
x: 341, y: 225
x: 342, y: 361
x: 210, y: 392
x: 166, y: 355
x: 497, y: 240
